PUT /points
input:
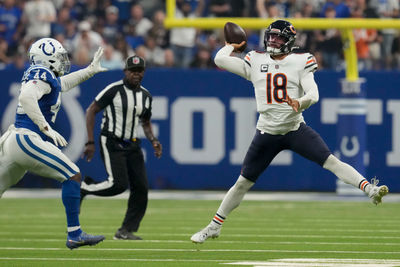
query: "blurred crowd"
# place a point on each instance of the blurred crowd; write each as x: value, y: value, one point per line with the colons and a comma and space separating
x: 127, y: 27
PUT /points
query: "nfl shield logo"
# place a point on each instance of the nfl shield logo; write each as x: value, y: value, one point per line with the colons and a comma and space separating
x: 135, y: 60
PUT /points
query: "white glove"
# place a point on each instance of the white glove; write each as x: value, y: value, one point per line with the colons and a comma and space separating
x: 58, y: 139
x: 95, y: 66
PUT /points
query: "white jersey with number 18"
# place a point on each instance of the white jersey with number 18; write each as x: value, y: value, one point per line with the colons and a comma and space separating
x: 273, y: 80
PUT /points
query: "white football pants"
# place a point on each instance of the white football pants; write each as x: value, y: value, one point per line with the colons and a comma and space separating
x: 22, y: 150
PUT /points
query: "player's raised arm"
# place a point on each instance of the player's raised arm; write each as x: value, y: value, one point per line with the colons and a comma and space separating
x: 224, y: 60
x: 73, y: 79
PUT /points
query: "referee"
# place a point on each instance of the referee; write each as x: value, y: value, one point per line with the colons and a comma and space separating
x: 125, y: 103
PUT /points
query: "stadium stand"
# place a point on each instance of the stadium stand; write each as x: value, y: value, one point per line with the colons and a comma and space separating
x: 129, y: 27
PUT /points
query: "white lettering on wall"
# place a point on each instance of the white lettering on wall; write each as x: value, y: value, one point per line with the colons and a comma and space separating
x: 159, y: 111
x: 332, y: 107
x: 213, y: 111
x: 393, y: 157
x: 8, y: 116
x: 245, y: 111
x: 76, y: 118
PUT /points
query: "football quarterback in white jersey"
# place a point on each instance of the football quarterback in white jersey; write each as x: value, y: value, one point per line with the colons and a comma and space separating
x: 284, y: 86
x: 31, y: 143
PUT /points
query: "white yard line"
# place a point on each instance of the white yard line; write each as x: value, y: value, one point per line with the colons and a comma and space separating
x: 110, y: 259
x: 229, y: 229
x: 379, y: 237
x: 211, y: 250
x: 219, y: 241
x: 274, y: 262
x: 320, y: 263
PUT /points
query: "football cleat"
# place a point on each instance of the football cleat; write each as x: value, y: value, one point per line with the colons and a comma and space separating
x: 377, y: 192
x: 83, y: 239
x: 206, y: 233
x: 123, y: 234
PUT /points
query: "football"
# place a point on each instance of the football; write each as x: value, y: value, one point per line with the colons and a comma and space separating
x: 234, y: 34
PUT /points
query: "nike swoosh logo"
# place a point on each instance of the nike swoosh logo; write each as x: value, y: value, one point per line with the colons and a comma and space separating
x: 76, y: 242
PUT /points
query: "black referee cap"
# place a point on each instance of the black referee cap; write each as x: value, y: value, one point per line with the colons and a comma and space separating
x: 134, y: 62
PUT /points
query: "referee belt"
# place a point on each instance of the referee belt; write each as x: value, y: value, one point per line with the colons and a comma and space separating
x: 116, y: 138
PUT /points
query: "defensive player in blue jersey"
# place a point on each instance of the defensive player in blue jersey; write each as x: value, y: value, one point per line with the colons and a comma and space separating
x: 31, y: 144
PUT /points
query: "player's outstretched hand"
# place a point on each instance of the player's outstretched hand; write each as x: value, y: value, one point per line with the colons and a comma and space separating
x: 236, y: 47
x: 57, y: 138
x: 292, y: 102
x: 88, y: 153
x: 95, y: 65
x: 157, y: 148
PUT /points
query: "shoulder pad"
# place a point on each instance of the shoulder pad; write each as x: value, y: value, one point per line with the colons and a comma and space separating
x: 311, y: 64
x: 39, y: 73
x: 247, y: 58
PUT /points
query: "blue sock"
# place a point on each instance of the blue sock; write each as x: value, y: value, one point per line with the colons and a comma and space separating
x: 70, y: 195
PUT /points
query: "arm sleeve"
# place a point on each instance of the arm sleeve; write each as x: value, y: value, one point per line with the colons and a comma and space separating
x: 71, y: 80
x: 232, y: 64
x: 310, y: 88
x: 31, y: 92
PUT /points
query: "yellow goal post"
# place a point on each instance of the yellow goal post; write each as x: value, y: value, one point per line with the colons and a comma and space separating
x: 346, y: 27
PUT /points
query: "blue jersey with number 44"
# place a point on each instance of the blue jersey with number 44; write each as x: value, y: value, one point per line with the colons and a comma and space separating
x: 49, y: 104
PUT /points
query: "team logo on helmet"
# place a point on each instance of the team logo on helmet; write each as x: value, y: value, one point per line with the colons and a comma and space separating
x: 48, y: 51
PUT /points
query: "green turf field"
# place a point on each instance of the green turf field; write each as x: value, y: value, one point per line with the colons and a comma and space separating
x: 271, y: 233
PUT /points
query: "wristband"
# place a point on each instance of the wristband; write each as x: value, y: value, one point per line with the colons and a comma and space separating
x: 89, y: 143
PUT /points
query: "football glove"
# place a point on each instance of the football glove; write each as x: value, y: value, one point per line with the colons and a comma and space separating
x: 57, y: 138
x: 95, y: 65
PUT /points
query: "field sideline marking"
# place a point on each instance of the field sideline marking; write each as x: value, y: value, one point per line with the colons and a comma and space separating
x: 209, y: 195
x: 212, y: 250
x: 219, y: 241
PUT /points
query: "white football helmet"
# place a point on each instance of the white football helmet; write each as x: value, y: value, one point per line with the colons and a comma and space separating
x: 50, y: 53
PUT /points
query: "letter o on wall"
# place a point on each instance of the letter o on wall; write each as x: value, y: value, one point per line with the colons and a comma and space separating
x: 213, y: 149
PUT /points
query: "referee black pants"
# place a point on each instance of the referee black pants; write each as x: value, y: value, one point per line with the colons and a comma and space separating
x: 125, y: 166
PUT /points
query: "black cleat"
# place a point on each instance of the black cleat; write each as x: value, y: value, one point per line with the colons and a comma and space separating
x: 123, y: 234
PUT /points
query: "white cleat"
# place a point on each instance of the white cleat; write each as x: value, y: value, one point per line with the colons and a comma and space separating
x: 206, y: 233
x: 377, y: 192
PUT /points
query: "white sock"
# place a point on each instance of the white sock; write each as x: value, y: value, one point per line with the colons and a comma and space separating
x: 231, y: 200
x: 346, y: 173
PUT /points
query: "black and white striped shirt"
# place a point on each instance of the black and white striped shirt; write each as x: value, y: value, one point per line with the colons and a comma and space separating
x: 123, y: 108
